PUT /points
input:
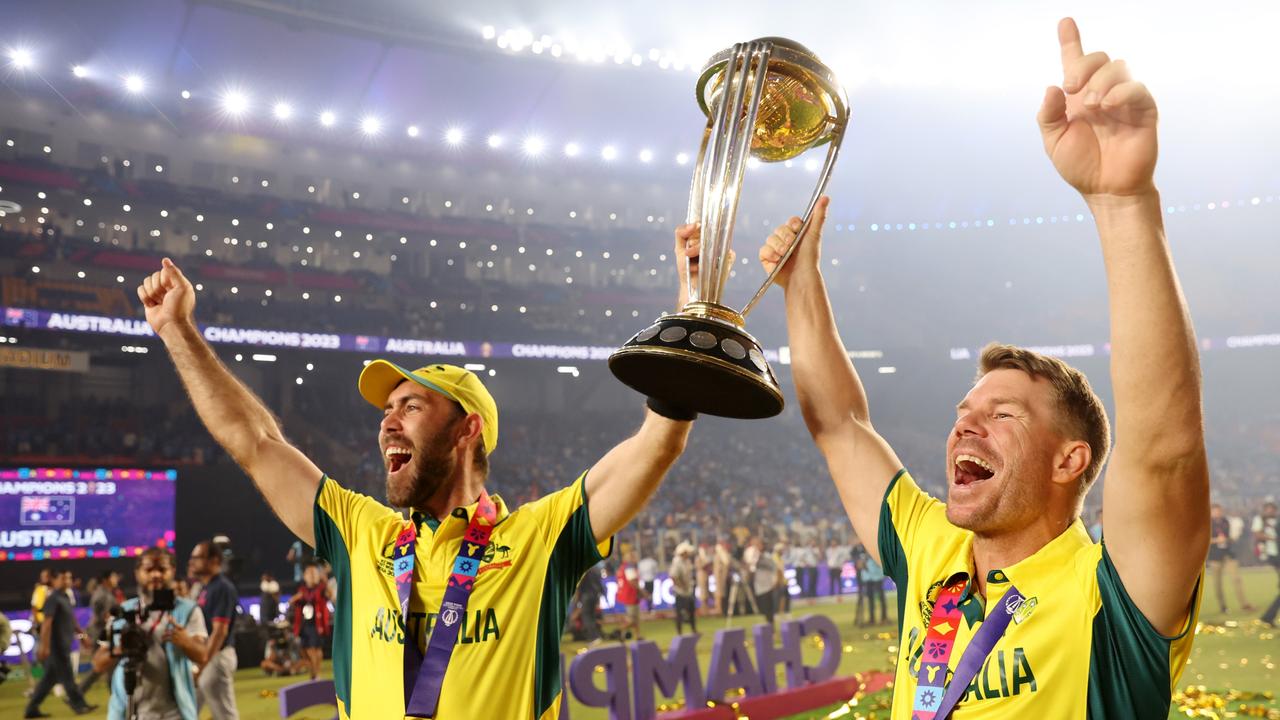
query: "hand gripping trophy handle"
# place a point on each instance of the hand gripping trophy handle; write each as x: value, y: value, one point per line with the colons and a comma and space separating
x: 771, y: 99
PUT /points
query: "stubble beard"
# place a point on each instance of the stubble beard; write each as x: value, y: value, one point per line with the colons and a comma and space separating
x: 432, y: 468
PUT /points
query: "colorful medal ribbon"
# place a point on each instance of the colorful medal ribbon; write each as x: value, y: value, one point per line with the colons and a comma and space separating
x: 935, y: 697
x: 939, y: 640
x: 424, y: 677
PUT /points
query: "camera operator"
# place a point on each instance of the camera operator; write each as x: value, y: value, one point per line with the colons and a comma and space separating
x: 57, y: 630
x: 220, y: 604
x: 282, y: 657
x: 152, y: 647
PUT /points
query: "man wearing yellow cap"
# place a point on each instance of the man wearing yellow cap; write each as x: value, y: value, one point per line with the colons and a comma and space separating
x: 458, y: 612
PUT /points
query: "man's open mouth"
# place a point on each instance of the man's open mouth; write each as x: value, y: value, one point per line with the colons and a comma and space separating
x: 971, y: 469
x: 397, y: 457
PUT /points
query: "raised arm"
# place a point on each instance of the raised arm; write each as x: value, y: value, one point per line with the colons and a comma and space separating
x: 831, y: 396
x: 236, y: 418
x: 620, y: 484
x: 1101, y: 135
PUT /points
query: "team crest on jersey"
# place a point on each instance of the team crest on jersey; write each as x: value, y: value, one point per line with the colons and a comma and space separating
x: 496, y: 556
x: 926, y: 605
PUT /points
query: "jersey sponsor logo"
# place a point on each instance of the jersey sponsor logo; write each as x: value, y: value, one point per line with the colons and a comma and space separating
x: 387, y: 562
x: 475, y: 626
x: 1024, y: 610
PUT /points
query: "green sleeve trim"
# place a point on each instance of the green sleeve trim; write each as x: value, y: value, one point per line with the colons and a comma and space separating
x: 1128, y: 658
x: 1119, y: 594
x: 315, y: 512
x: 331, y: 546
x: 586, y: 511
x: 893, y: 557
x: 575, y: 552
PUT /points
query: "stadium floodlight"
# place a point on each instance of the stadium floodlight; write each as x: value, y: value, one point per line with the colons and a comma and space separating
x: 135, y: 83
x: 21, y: 58
x: 282, y: 111
x: 646, y: 155
x: 235, y: 103
x: 454, y: 136
x: 609, y: 152
x: 80, y: 71
x: 534, y: 145
x: 682, y: 158
x: 495, y: 141
x: 412, y: 131
x: 488, y: 32
x: 572, y: 149
x: 328, y: 118
x: 370, y: 125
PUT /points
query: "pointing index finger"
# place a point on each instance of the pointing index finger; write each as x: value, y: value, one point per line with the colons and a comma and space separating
x: 1069, y: 40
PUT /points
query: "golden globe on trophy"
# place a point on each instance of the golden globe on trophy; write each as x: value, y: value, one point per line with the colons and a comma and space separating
x: 771, y: 99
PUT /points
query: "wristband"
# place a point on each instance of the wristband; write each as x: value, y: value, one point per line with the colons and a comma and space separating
x: 670, y: 410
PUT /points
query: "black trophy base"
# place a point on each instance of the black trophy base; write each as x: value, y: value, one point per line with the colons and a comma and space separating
x: 701, y: 364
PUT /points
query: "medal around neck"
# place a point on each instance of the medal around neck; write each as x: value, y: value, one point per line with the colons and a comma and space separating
x: 771, y: 99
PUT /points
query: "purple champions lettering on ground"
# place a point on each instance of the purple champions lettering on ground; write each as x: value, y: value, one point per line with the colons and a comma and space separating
x: 615, y: 694
x: 68, y: 514
x: 651, y: 673
x: 787, y: 653
x: 826, y: 630
x: 731, y: 667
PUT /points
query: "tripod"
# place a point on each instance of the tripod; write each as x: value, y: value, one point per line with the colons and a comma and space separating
x: 736, y: 582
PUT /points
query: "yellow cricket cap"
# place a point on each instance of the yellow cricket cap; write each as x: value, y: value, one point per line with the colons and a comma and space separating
x: 460, y: 385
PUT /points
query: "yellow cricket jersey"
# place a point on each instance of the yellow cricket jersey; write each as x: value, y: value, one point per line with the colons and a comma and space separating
x: 507, y: 659
x: 1077, y: 648
x: 38, y: 596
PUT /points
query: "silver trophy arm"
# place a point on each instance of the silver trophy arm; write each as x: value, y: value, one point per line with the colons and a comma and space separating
x: 757, y: 59
x: 713, y: 182
x: 694, y: 212
x: 832, y: 151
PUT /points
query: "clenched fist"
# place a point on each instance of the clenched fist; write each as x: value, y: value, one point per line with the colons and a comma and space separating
x: 688, y: 253
x: 167, y: 297
x: 809, y: 252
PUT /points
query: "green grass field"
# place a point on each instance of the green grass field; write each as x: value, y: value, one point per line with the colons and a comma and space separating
x: 1233, y: 654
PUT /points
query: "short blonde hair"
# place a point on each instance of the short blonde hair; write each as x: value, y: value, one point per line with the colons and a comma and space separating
x: 1082, y: 415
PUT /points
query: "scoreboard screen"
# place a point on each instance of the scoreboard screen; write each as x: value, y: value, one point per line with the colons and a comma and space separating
x: 67, y: 514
